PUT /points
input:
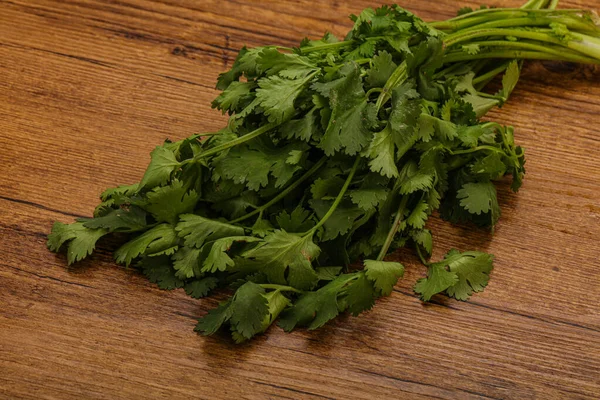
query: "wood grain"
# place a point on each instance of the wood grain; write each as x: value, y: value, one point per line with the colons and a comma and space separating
x: 89, y: 87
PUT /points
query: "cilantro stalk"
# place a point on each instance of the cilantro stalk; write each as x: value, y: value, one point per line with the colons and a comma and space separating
x: 222, y: 147
x: 395, y: 226
x: 338, y: 199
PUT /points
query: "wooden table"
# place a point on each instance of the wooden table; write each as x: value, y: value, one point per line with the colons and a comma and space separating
x: 89, y: 87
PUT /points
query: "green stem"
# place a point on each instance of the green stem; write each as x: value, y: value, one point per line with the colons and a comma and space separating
x: 326, y: 46
x: 586, y: 45
x: 398, y: 77
x: 284, y: 193
x: 390, y: 237
x: 420, y: 254
x: 280, y: 288
x: 517, y: 54
x: 490, y: 74
x: 571, y: 23
x: 338, y: 199
x: 242, y: 139
x: 478, y: 148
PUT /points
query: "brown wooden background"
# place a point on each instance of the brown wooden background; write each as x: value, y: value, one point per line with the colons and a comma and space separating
x: 89, y: 87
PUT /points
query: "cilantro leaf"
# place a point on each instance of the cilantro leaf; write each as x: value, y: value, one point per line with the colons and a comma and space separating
x: 381, y: 70
x: 250, y: 307
x: 478, y: 198
x: 162, y: 165
x: 186, y: 261
x: 298, y: 221
x: 252, y: 164
x: 217, y: 258
x: 277, y: 95
x: 286, y: 259
x: 214, y: 319
x: 160, y: 271
x: 347, y: 127
x: 82, y: 240
x: 383, y: 274
x: 342, y: 219
x: 166, y: 203
x: 162, y: 239
x: 200, y: 287
x: 472, y: 269
x: 438, y: 279
x: 196, y: 230
x: 418, y: 216
x: 131, y: 219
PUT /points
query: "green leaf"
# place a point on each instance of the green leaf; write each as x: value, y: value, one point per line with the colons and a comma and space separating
x: 277, y: 95
x: 490, y: 166
x: 304, y: 128
x: 285, y: 255
x: 347, y: 128
x: 186, y: 261
x: 160, y: 239
x: 123, y: 190
x: 423, y: 237
x: 416, y: 182
x: 342, y: 219
x: 166, y: 203
x: 328, y: 273
x: 360, y: 295
x: 196, y: 230
x: 291, y: 66
x: 472, y: 269
x: 82, y: 240
x: 162, y: 165
x: 382, y: 68
x: 382, y: 153
x: 262, y: 227
x: 201, y: 287
x: 510, y: 79
x: 250, y: 308
x: 438, y: 279
x: 217, y: 258
x: 327, y: 187
x: 298, y: 221
x: 160, y: 271
x: 315, y: 308
x: 129, y: 219
x: 236, y: 93
x: 418, y: 216
x: 383, y: 274
x: 480, y: 197
x: 252, y: 164
x: 214, y: 319
x: 369, y: 195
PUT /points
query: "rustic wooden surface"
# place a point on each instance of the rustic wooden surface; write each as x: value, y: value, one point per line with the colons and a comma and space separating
x: 89, y: 87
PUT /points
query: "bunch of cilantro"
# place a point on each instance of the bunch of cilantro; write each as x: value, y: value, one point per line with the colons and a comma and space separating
x: 336, y: 153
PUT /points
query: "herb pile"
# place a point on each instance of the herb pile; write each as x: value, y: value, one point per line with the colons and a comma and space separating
x: 336, y: 153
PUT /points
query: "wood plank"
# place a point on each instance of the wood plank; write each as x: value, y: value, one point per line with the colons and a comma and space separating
x: 90, y: 87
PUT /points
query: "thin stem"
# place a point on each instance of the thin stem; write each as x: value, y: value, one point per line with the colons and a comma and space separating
x: 474, y: 149
x: 338, y: 199
x: 518, y: 54
x: 390, y: 237
x: 490, y: 74
x: 326, y: 46
x: 284, y: 193
x: 242, y: 139
x: 420, y: 254
x: 553, y: 4
x: 398, y: 77
x: 280, y: 288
